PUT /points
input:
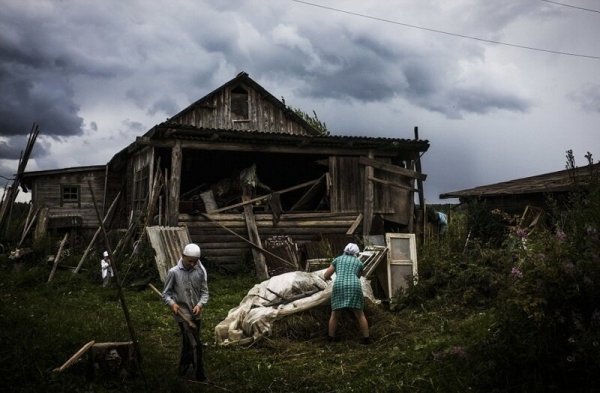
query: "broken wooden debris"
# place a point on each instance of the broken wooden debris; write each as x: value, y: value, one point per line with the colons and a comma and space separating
x: 75, y: 357
x: 167, y: 243
x: 263, y: 197
x: 244, y: 239
x: 287, y: 250
x: 109, y: 357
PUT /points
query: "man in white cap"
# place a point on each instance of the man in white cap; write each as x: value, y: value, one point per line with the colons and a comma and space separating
x: 106, y: 269
x: 186, y: 292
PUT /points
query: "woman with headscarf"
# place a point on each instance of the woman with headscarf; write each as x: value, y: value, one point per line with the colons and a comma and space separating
x: 347, y: 291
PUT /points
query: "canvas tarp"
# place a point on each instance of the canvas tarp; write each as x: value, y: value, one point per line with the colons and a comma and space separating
x: 273, y: 299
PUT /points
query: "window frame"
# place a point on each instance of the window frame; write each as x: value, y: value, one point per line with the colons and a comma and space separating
x: 70, y: 201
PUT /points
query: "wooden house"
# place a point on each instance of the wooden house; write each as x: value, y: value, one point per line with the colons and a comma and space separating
x: 241, y: 167
x: 238, y: 168
x: 64, y: 200
x: 516, y: 195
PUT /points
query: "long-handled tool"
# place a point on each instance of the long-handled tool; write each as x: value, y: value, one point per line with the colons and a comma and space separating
x: 182, y: 315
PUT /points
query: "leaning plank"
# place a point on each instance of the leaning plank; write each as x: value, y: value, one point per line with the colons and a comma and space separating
x: 246, y: 240
x: 391, y: 168
x: 260, y: 198
x: 308, y: 195
x: 167, y: 243
x: 75, y: 357
x: 113, y: 344
x: 355, y: 224
x: 259, y: 258
x: 370, y: 268
x: 392, y: 184
x: 89, y: 247
x: 57, y: 258
x: 28, y: 225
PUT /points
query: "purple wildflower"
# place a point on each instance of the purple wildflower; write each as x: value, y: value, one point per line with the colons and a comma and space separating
x: 458, y: 351
x: 516, y: 273
x: 521, y: 233
x: 560, y: 235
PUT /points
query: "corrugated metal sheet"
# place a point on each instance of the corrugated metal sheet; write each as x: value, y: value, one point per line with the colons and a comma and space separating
x: 167, y: 242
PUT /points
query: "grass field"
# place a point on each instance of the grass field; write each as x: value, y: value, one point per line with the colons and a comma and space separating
x: 43, y: 324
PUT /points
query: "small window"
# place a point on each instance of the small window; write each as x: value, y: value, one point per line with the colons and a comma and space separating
x: 239, y: 103
x: 69, y: 194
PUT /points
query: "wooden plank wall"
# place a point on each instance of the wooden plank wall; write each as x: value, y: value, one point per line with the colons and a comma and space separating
x: 263, y: 114
x: 47, y: 190
x: 220, y: 246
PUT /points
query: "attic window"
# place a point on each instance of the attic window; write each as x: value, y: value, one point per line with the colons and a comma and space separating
x: 239, y: 103
x: 69, y: 194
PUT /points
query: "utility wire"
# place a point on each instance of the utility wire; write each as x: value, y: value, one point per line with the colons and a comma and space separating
x: 446, y: 32
x: 571, y: 6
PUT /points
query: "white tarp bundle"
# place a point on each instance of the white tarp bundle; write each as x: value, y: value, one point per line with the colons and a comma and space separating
x: 274, y: 299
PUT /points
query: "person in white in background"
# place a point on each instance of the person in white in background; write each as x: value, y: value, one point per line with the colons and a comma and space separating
x: 106, y: 268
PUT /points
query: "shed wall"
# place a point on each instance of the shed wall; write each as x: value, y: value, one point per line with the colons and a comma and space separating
x: 46, y: 192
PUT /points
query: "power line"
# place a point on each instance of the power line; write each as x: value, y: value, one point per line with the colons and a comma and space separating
x: 571, y: 6
x: 446, y: 32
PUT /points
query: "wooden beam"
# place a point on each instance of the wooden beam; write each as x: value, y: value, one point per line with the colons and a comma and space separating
x: 420, y: 187
x: 91, y: 244
x: 113, y: 265
x: 75, y: 357
x: 355, y: 224
x: 260, y: 263
x: 398, y: 170
x: 369, y: 196
x: 310, y: 193
x: 246, y: 240
x: 57, y: 257
x: 266, y: 148
x: 260, y: 198
x: 391, y: 184
x: 175, y: 181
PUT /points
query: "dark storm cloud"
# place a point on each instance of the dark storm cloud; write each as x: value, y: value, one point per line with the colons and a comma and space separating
x: 33, y: 86
x: 39, y: 96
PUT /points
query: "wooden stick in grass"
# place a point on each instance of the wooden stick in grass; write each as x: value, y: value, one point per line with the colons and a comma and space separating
x: 182, y: 315
x: 75, y: 357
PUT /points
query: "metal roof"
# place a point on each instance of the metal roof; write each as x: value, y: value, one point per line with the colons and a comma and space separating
x: 559, y: 181
x: 178, y: 131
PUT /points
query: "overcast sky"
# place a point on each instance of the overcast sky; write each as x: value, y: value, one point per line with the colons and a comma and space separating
x: 96, y: 74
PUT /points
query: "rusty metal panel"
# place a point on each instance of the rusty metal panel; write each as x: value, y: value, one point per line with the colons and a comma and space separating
x: 167, y: 242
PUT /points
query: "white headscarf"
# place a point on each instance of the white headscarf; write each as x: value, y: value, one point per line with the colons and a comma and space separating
x: 351, y: 249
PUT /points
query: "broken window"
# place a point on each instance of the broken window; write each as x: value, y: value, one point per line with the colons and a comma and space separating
x: 239, y: 103
x: 69, y: 194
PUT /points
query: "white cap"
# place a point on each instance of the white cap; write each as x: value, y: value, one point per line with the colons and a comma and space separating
x: 352, y: 249
x: 105, y: 253
x: 192, y: 250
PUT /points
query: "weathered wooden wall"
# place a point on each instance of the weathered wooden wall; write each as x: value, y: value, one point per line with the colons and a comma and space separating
x: 46, y: 192
x: 263, y: 115
x: 220, y: 246
x: 347, y: 190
